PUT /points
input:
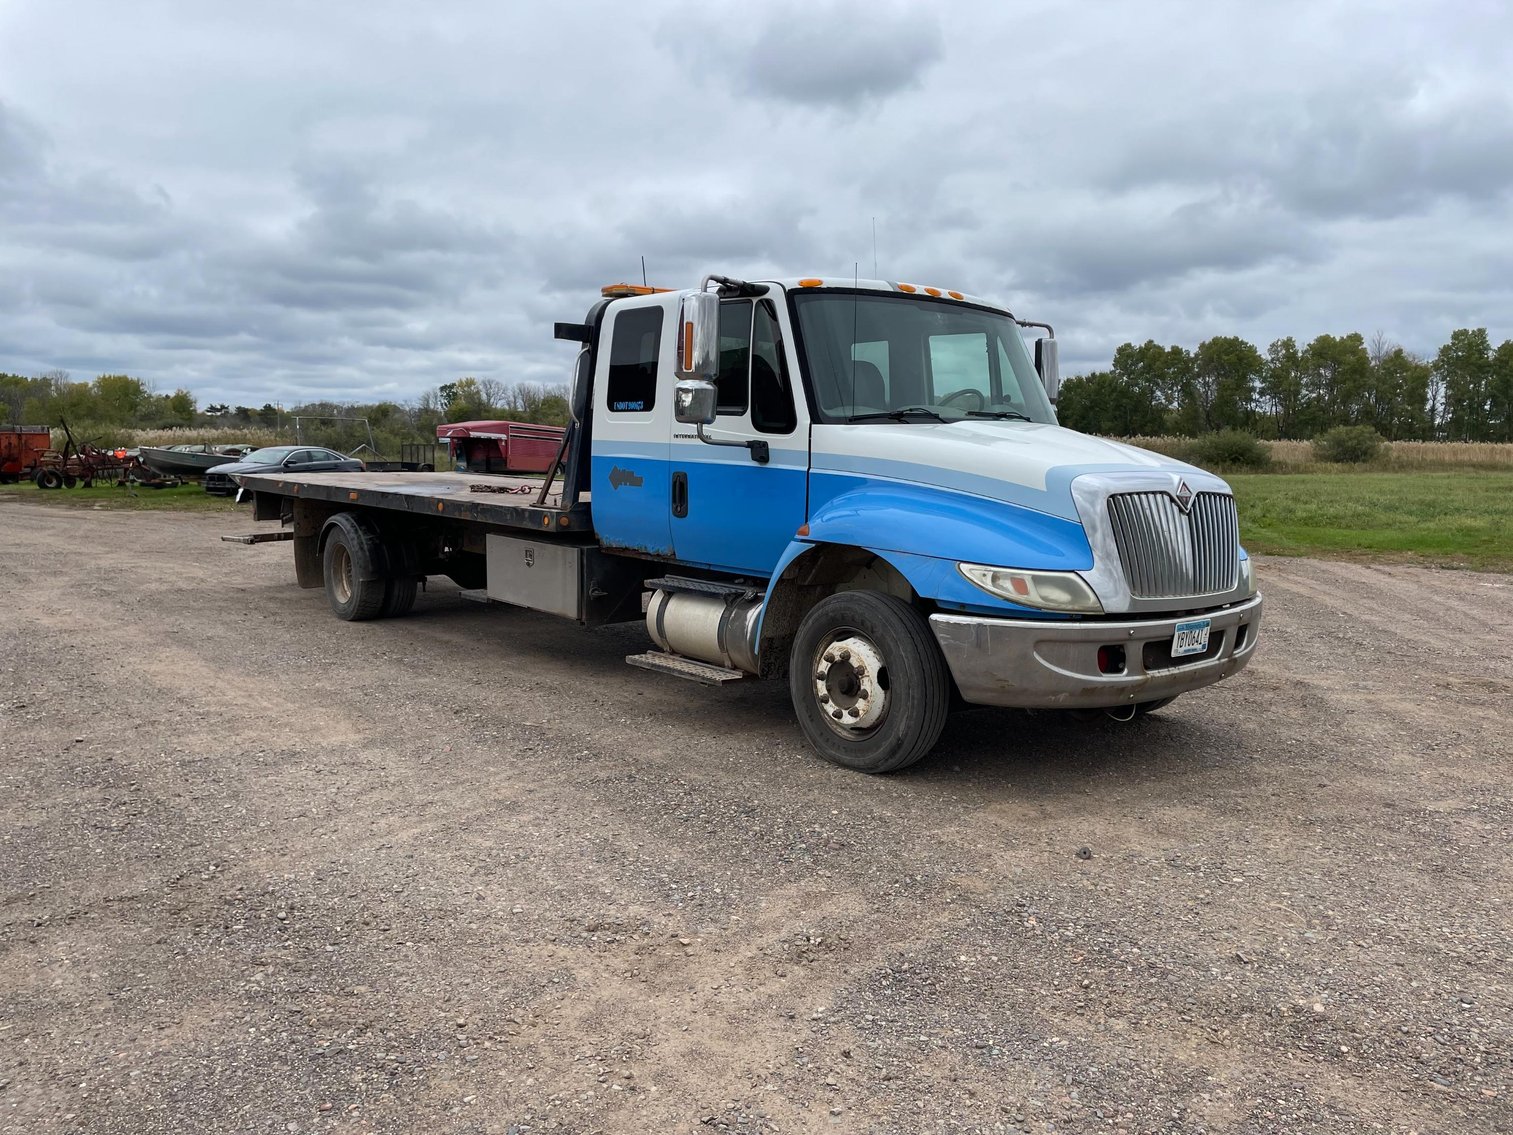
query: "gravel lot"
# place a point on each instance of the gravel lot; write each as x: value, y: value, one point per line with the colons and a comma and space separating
x: 264, y: 871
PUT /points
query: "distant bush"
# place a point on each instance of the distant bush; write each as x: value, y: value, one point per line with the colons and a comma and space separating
x: 1228, y: 449
x: 1348, y: 444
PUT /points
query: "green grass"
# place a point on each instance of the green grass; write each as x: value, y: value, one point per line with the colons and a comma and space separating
x: 188, y: 497
x: 1461, y: 519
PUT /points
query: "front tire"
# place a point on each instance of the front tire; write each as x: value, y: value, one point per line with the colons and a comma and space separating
x: 347, y: 560
x: 869, y: 685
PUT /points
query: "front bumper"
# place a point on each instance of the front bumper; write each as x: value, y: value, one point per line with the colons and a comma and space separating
x: 1045, y: 664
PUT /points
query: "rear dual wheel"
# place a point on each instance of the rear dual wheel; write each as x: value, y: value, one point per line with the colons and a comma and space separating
x: 351, y: 553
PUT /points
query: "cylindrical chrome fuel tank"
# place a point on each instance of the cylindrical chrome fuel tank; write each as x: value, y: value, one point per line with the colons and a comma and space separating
x: 712, y: 628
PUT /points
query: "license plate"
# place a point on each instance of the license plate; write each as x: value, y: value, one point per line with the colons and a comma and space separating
x: 1191, y: 638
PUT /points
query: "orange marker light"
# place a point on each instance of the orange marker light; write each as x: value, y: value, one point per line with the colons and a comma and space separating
x: 810, y: 282
x: 687, y: 344
x: 620, y: 291
x: 955, y: 295
x: 932, y: 291
x: 907, y: 288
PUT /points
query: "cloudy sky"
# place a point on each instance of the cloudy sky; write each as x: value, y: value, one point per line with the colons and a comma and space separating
x: 288, y: 200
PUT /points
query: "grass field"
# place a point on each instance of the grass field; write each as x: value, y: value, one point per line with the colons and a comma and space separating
x: 1460, y: 519
x: 188, y: 497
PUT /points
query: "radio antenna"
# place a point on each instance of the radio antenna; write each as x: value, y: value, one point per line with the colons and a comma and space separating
x: 643, y: 272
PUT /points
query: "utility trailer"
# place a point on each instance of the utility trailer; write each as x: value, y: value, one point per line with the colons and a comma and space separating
x: 856, y: 486
x: 21, y: 451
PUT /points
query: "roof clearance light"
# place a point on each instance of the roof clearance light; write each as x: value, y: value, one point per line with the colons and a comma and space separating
x: 955, y: 295
x: 907, y: 288
x: 932, y: 291
x: 621, y: 291
x: 810, y: 282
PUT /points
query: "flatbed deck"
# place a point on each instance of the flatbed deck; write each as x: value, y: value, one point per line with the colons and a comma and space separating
x: 460, y: 496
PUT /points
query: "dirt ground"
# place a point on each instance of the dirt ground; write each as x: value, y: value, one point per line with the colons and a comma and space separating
x: 264, y: 871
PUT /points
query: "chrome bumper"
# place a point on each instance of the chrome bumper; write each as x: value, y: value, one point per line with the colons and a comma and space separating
x: 1043, y: 664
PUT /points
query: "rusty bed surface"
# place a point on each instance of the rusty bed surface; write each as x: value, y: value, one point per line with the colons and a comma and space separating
x: 458, y: 496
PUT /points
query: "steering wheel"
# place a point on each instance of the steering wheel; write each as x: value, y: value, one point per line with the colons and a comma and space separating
x: 964, y: 393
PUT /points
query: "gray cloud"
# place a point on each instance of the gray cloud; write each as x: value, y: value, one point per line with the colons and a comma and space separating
x: 347, y: 202
x: 842, y: 53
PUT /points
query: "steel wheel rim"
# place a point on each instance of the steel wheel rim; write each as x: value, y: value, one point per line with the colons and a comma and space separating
x: 343, y: 574
x: 849, y: 684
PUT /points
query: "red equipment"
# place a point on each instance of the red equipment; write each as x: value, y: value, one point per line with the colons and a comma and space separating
x: 501, y: 447
x: 21, y: 450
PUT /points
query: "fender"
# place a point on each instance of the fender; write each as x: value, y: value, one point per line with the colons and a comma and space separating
x: 923, y: 533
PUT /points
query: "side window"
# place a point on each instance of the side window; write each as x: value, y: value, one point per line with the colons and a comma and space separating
x: 735, y: 356
x: 771, y: 392
x: 632, y: 386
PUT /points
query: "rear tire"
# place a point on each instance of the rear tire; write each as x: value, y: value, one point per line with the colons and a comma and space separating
x: 399, y: 597
x: 48, y: 479
x: 348, y: 557
x: 868, y: 682
x: 69, y: 480
x: 1152, y: 706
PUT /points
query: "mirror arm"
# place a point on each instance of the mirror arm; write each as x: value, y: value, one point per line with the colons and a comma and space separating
x: 761, y: 452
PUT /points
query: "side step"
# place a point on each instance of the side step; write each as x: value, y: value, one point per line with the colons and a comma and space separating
x: 260, y: 537
x: 678, y: 583
x: 680, y: 667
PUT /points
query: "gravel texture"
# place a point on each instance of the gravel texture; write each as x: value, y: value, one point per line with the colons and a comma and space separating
x: 263, y: 871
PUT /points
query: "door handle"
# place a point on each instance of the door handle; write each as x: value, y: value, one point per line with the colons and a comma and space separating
x: 680, y: 494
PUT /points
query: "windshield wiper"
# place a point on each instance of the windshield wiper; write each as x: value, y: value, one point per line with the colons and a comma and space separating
x: 903, y: 413
x: 999, y: 414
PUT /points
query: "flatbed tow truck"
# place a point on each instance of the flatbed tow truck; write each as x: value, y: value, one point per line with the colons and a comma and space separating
x: 858, y: 487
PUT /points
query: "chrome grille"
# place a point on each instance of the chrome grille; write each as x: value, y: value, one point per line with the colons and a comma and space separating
x: 1167, y: 553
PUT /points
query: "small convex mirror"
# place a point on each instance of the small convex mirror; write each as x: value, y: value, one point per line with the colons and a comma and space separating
x: 699, y: 337
x: 693, y: 402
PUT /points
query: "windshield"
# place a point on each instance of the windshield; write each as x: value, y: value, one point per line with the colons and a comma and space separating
x: 268, y: 456
x: 881, y: 356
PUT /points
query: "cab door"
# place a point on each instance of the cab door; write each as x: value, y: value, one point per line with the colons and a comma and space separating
x: 730, y: 510
x: 632, y: 412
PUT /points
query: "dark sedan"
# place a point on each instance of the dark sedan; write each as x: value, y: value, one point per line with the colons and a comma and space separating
x: 280, y: 459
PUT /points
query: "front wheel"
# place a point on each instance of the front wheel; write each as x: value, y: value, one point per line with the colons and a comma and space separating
x: 868, y: 682
x: 48, y: 479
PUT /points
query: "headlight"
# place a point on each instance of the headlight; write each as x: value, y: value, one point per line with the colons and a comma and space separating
x: 1051, y: 590
x: 1247, y: 576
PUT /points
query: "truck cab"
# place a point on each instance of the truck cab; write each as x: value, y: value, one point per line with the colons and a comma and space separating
x: 842, y: 442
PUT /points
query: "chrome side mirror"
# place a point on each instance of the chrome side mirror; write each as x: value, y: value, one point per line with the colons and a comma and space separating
x: 693, y: 402
x: 699, y: 338
x: 1048, y: 365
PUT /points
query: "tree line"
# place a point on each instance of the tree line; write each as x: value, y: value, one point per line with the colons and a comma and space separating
x: 114, y: 402
x: 1465, y: 393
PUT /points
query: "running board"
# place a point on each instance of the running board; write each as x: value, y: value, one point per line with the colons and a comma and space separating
x: 680, y: 667
x: 260, y: 537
